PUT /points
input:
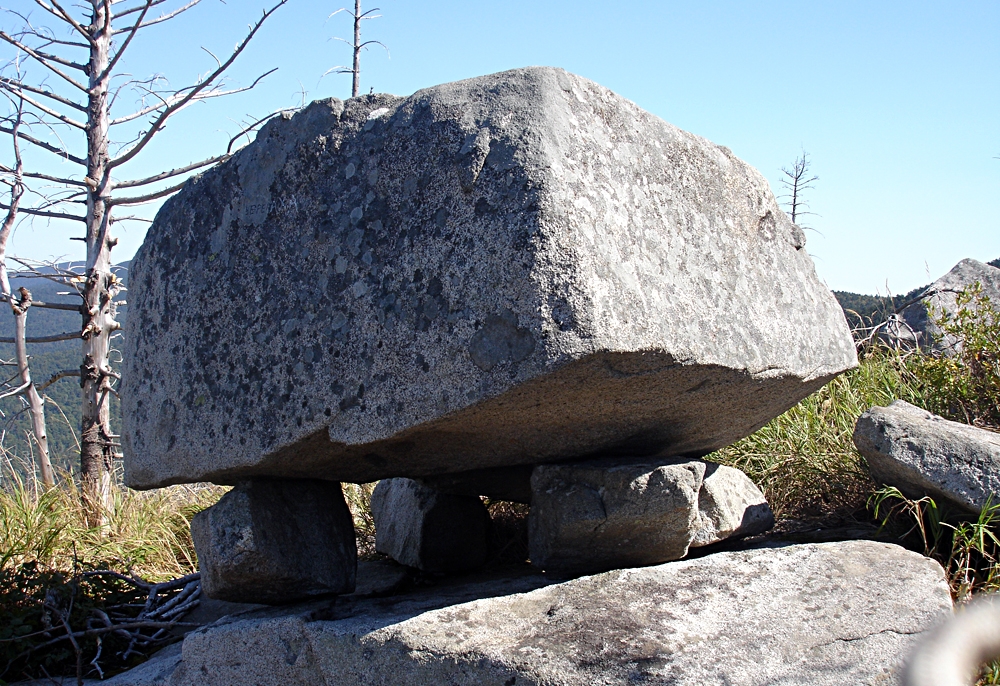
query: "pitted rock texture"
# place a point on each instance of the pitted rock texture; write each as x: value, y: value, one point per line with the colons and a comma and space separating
x: 421, y: 527
x: 605, y: 514
x: 832, y: 614
x: 509, y: 270
x: 940, y: 297
x: 922, y: 454
x: 276, y: 541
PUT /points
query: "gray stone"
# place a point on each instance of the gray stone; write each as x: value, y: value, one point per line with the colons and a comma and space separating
x: 421, y: 527
x: 510, y: 270
x: 941, y: 297
x: 821, y: 614
x: 275, y: 541
x: 923, y: 454
x: 729, y: 506
x: 593, y: 516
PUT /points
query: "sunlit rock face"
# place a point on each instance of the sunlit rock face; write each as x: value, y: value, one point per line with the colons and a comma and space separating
x: 510, y: 270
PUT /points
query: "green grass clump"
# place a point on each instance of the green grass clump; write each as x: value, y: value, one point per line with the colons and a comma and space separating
x: 805, y: 460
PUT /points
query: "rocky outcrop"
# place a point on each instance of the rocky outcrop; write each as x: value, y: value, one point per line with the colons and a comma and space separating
x: 276, y: 541
x: 940, y: 297
x: 923, y: 454
x: 605, y: 514
x: 820, y: 614
x: 432, y: 531
x: 510, y: 270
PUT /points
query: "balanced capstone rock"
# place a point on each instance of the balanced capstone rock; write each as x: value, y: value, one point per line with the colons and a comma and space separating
x: 510, y: 270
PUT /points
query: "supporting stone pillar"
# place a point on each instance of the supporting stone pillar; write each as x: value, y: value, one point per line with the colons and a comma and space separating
x: 275, y: 541
x: 593, y: 516
x: 421, y: 527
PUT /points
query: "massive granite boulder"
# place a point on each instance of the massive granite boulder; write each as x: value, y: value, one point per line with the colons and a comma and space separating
x: 509, y: 270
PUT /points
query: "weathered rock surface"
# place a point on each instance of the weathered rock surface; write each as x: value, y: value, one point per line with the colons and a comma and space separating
x: 941, y: 296
x: 604, y: 514
x: 729, y: 506
x: 593, y: 516
x: 514, y: 269
x: 275, y: 541
x: 819, y: 614
x: 421, y: 527
x: 923, y: 454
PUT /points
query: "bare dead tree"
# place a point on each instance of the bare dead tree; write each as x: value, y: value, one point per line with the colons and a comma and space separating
x: 19, y: 308
x: 77, y: 111
x: 357, y: 45
x: 796, y: 182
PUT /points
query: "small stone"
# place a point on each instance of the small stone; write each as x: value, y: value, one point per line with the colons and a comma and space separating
x: 923, y: 454
x: 599, y: 515
x: 421, y: 527
x: 729, y: 506
x: 275, y: 541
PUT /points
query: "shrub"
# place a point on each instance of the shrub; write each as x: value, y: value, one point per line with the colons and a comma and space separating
x: 963, y: 382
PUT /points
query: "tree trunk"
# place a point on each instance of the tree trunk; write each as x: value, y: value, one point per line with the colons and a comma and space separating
x: 357, y: 49
x: 97, y: 450
x: 36, y: 404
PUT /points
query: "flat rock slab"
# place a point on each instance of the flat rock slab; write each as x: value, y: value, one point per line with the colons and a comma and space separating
x: 819, y: 614
x: 922, y: 454
x: 510, y: 270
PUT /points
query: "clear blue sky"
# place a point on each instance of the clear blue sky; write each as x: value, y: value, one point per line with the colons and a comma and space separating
x: 898, y: 103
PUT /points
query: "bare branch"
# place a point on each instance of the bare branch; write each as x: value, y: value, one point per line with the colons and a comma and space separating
x: 15, y: 90
x: 131, y: 35
x: 137, y: 8
x: 67, y: 17
x: 48, y: 306
x: 41, y: 91
x: 45, y: 213
x: 45, y: 146
x: 61, y: 60
x: 44, y: 62
x: 161, y: 120
x: 177, y: 97
x: 45, y: 177
x: 69, y: 336
x: 158, y: 20
x: 62, y: 374
x: 172, y: 172
x: 149, y: 197
x: 19, y: 389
